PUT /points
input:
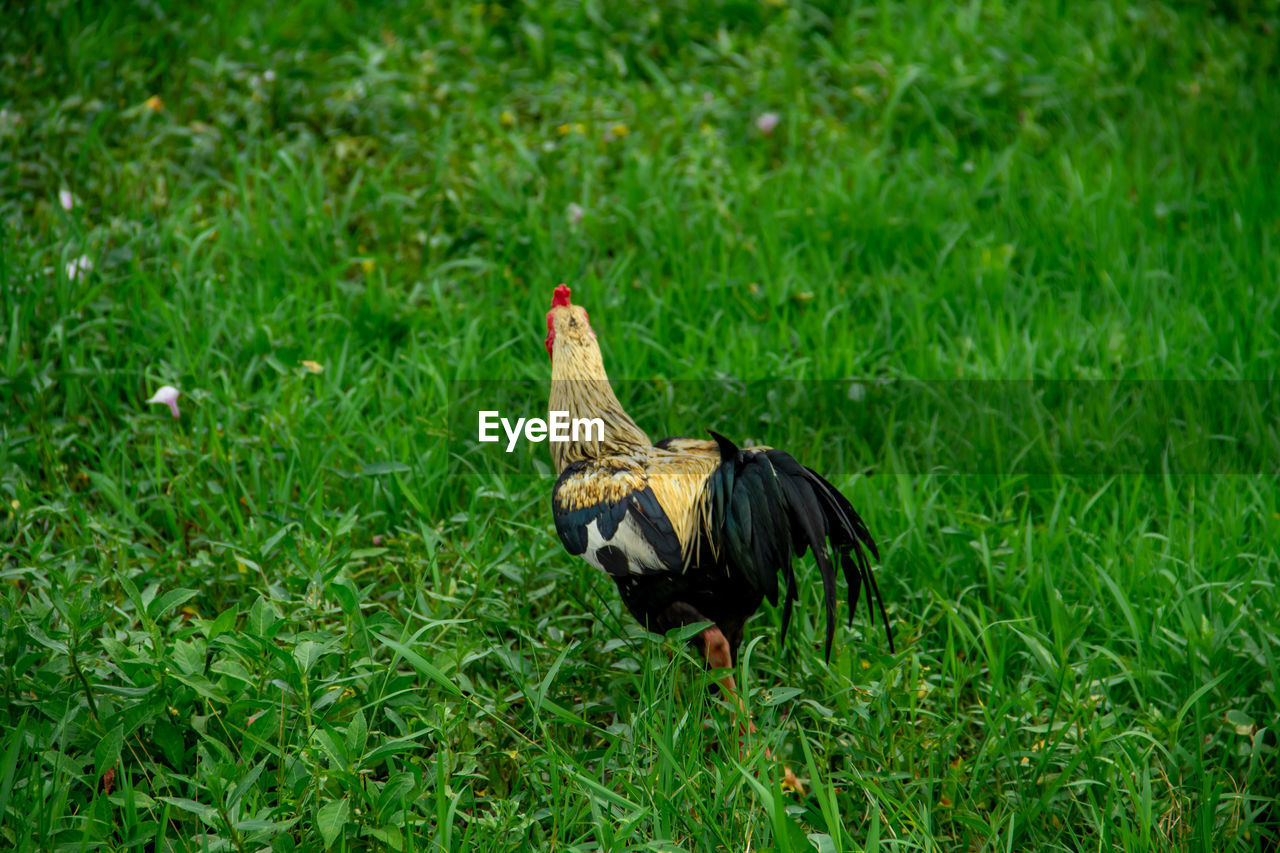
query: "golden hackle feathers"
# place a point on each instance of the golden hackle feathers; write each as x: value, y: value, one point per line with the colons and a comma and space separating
x: 677, y: 480
x: 580, y: 386
x: 604, y: 483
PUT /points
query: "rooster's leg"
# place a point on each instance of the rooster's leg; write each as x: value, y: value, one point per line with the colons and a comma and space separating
x: 715, y: 647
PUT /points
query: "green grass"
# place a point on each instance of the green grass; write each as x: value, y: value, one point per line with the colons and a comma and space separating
x: 305, y: 616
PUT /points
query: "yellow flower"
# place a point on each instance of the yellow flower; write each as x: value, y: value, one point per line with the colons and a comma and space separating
x: 154, y: 103
x: 620, y: 130
x: 507, y: 119
x: 367, y: 266
x: 313, y: 366
x: 563, y: 130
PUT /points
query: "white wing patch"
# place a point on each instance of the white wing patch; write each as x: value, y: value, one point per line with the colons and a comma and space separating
x: 627, y: 553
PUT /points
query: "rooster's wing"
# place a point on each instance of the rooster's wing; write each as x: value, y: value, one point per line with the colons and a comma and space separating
x: 606, y: 512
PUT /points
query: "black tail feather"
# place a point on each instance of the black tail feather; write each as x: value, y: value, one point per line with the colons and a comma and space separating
x: 765, y: 506
x: 850, y: 536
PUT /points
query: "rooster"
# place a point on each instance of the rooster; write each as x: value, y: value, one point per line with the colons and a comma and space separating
x: 691, y: 530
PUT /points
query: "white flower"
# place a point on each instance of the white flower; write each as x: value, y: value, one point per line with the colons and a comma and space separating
x: 169, y: 396
x: 269, y: 75
x: 66, y: 199
x: 574, y: 213
x: 80, y: 265
x: 766, y: 122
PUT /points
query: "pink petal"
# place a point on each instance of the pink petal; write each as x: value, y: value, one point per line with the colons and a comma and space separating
x: 80, y: 265
x: 168, y: 395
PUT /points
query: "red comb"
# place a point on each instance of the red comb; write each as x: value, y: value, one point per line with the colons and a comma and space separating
x: 561, y: 296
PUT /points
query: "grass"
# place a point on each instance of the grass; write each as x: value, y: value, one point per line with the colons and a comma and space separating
x: 308, y: 615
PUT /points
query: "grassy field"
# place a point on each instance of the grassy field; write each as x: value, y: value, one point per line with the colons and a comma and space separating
x: 307, y: 615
